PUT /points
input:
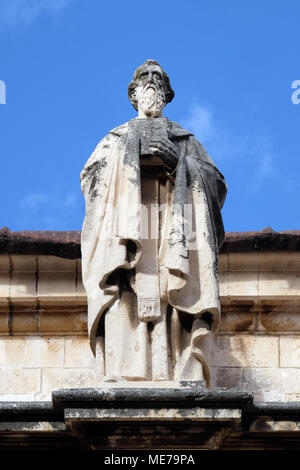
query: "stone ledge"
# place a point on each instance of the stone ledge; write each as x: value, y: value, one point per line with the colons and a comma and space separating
x: 189, y: 417
x: 153, y: 414
x: 67, y: 244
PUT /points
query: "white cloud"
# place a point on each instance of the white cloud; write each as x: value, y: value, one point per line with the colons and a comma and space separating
x: 16, y: 12
x: 226, y: 147
x: 33, y: 201
x: 265, y: 167
x: 53, y: 211
x: 222, y: 143
x: 200, y: 122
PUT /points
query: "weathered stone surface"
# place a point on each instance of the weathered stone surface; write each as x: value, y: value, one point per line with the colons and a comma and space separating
x: 266, y: 424
x: 66, y: 244
x: 58, y: 378
x: 32, y: 352
x: 4, y: 263
x: 262, y: 240
x: 271, y: 380
x: 238, y: 321
x: 63, y: 321
x: 162, y: 414
x: 23, y: 279
x: 23, y: 319
x: 53, y: 287
x: 80, y: 290
x: 63, y: 244
x: 242, y: 262
x: 4, y: 319
x: 17, y: 397
x: 279, y: 315
x: 57, y: 279
x: 248, y: 316
x: 292, y: 397
x: 278, y: 284
x: 242, y: 284
x: 223, y: 263
x: 4, y: 280
x: 78, y: 353
x: 227, y: 377
x: 246, y: 351
x: 279, y: 261
x: 190, y: 393
x: 32, y: 426
x: 289, y: 351
x: 16, y: 380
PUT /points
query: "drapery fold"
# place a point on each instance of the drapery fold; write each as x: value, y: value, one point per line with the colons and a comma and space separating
x: 192, y: 230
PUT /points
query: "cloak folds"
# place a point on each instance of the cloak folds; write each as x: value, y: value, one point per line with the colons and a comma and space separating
x: 111, y: 184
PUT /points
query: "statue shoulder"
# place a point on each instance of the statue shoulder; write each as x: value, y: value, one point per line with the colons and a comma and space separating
x: 176, y: 131
x: 103, y: 149
x: 120, y: 130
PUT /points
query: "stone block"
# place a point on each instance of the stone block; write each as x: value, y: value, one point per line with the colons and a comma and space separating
x: 23, y: 287
x: 56, y: 286
x: 279, y: 261
x: 279, y: 315
x: 17, y: 397
x: 241, y: 262
x: 4, y: 289
x: 4, y: 317
x: 272, y: 380
x: 237, y: 321
x: 24, y: 263
x: 56, y: 378
x: 246, y: 351
x: 23, y: 381
x: 223, y: 262
x: 68, y: 322
x: 292, y: 397
x: 23, y: 279
x: 57, y: 279
x: 24, y: 322
x: 289, y: 347
x: 4, y: 263
x: 242, y: 285
x: 33, y: 351
x: 78, y: 353
x: 223, y: 285
x: 56, y: 264
x: 80, y: 290
x: 226, y: 377
x: 278, y: 284
x: 4, y: 280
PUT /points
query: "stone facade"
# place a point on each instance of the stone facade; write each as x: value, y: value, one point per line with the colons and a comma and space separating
x: 43, y: 320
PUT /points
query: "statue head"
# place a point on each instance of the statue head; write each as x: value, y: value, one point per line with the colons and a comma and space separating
x: 150, y: 89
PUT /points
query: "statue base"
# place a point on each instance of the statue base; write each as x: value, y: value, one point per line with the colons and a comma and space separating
x: 185, y: 416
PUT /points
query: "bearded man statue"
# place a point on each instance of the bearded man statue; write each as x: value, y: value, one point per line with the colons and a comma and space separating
x: 150, y: 243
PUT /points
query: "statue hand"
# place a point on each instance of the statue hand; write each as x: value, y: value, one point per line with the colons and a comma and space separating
x: 166, y: 150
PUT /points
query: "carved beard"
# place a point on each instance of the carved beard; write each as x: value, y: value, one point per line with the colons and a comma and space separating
x: 151, y: 101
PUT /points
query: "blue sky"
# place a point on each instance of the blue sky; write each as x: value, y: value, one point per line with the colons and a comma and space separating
x: 66, y: 65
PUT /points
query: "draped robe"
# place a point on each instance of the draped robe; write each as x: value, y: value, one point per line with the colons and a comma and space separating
x: 170, y: 343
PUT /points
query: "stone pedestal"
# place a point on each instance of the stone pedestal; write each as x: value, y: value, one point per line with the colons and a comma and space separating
x: 179, y: 418
x: 187, y: 416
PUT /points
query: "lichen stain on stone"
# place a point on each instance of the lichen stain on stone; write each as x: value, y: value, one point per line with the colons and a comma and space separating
x: 243, y: 325
x: 96, y: 177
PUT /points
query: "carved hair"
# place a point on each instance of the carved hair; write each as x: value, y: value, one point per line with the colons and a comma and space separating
x: 135, y: 81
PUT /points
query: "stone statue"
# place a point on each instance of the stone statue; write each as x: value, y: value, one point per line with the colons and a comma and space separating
x: 150, y: 243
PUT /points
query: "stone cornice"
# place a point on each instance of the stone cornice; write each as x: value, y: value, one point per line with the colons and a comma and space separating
x: 66, y: 244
